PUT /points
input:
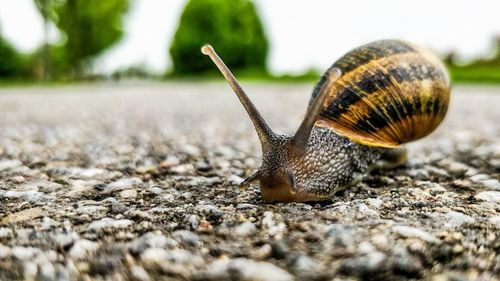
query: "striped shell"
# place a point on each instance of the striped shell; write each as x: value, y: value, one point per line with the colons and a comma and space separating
x: 391, y: 92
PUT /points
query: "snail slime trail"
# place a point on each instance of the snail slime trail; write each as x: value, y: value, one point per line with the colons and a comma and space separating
x: 369, y: 103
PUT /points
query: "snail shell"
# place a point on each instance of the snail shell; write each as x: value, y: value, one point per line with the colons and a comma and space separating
x: 391, y: 92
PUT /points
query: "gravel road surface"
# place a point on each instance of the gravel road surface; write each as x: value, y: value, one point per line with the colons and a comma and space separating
x: 138, y: 181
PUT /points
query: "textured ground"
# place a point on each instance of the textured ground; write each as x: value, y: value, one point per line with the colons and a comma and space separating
x: 138, y: 182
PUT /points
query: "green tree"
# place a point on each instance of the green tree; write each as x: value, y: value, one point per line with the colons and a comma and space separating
x: 231, y: 26
x: 12, y: 63
x: 89, y: 28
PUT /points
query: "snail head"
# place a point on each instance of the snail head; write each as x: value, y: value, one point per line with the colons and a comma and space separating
x: 282, y: 154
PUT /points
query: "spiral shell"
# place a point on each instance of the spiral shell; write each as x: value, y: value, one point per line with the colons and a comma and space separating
x: 391, y: 92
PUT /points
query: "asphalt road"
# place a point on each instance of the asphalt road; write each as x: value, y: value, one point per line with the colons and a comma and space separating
x: 138, y: 181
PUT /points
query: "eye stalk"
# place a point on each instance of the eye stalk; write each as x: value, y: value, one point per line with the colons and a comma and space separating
x: 263, y: 130
x: 301, y: 137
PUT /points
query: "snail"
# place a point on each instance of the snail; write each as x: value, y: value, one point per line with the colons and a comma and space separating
x: 369, y: 103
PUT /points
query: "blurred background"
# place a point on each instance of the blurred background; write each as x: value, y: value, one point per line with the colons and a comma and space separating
x: 281, y: 40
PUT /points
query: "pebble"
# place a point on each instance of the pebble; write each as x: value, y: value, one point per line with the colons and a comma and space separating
x: 235, y: 180
x: 62, y: 240
x: 437, y: 189
x: 245, y: 229
x: 109, y: 223
x: 203, y: 166
x: 479, y: 178
x: 9, y: 164
x: 118, y: 207
x: 82, y: 248
x: 91, y: 210
x: 304, y: 264
x: 183, y: 169
x: 490, y: 196
x: 151, y: 240
x: 169, y: 162
x: 454, y: 167
x: 375, y: 202
x: 156, y: 190
x: 31, y: 196
x: 82, y: 173
x: 456, y: 219
x: 246, y: 269
x: 190, y: 150
x: 270, y: 225
x: 24, y: 215
x: 6, y: 233
x: 245, y: 206
x: 404, y: 263
x: 366, y: 247
x: 186, y: 237
x: 193, y: 222
x: 24, y: 253
x: 122, y: 184
x: 491, y: 184
x: 380, y: 241
x: 372, y: 262
x: 211, y: 212
x: 139, y: 273
x: 413, y: 232
x: 128, y: 194
x: 5, y: 252
x: 495, y: 220
x: 342, y: 235
x: 41, y: 185
x: 176, y: 261
x: 364, y: 210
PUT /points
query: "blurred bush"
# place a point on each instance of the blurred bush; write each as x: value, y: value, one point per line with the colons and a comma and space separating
x: 12, y: 63
x: 231, y: 26
x: 482, y: 70
x: 88, y: 27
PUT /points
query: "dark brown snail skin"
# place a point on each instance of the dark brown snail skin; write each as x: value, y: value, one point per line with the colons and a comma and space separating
x: 372, y: 100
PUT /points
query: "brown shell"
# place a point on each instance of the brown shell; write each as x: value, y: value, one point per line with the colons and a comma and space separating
x: 391, y: 92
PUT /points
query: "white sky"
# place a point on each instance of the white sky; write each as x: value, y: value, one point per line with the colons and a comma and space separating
x: 302, y: 33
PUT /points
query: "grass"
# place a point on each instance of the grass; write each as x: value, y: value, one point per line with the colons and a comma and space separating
x: 473, y: 74
x: 480, y: 74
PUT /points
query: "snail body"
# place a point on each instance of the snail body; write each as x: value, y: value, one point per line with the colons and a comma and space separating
x: 367, y: 104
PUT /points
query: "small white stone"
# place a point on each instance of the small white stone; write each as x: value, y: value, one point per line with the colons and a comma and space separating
x: 234, y: 179
x: 491, y: 184
x: 122, y: 184
x: 5, y: 252
x: 413, y: 232
x: 30, y: 195
x: 495, y: 220
x: 81, y: 173
x: 247, y: 269
x: 139, y: 273
x: 24, y: 253
x: 129, y: 193
x: 375, y: 202
x: 479, y: 178
x: 9, y: 164
x: 490, y: 196
x: 91, y: 209
x: 456, y: 219
x: 5, y: 232
x: 182, y: 169
x: 82, y: 248
x: 245, y: 229
x: 30, y: 270
x: 366, y: 247
x: 109, y: 223
x: 190, y: 150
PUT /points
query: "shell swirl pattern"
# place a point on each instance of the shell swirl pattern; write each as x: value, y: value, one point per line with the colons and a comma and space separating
x: 391, y: 92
